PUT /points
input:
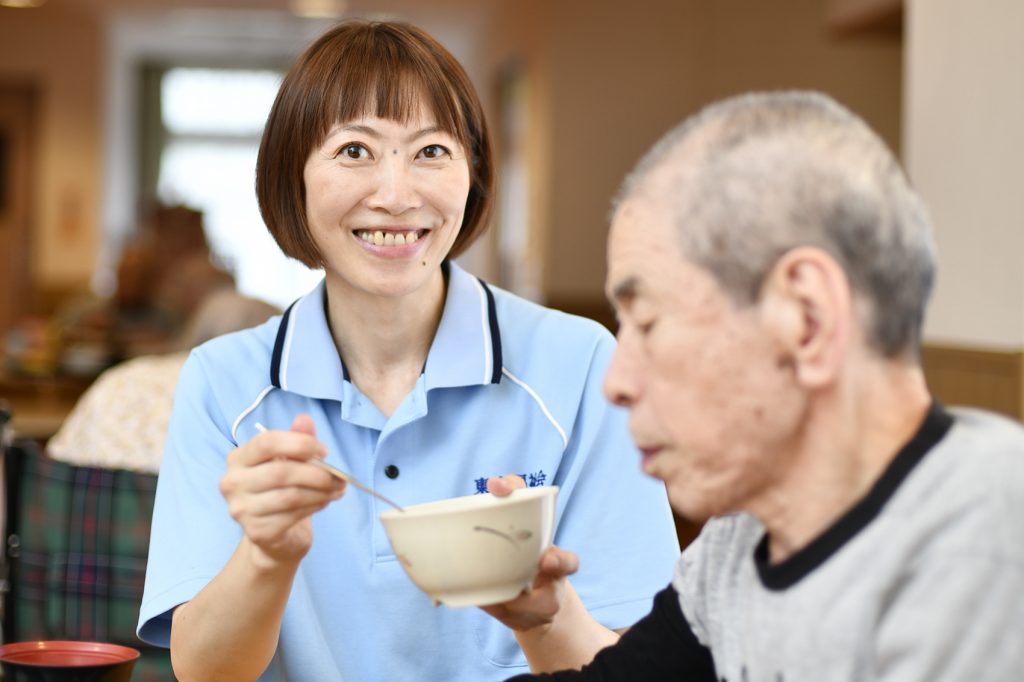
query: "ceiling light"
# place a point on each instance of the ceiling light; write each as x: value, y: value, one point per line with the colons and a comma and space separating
x: 317, y: 9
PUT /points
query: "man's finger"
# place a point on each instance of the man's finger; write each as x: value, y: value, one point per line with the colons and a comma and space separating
x: 504, y: 485
x: 557, y: 562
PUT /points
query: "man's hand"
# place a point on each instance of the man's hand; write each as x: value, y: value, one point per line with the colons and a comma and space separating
x: 502, y: 486
x: 538, y: 606
x: 550, y: 621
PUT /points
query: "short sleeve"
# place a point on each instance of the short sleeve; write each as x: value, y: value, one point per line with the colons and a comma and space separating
x: 192, y: 533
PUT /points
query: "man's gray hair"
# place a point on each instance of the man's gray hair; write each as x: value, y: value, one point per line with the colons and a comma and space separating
x: 757, y: 175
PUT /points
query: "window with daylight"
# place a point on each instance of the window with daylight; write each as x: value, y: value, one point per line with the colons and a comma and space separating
x: 210, y: 120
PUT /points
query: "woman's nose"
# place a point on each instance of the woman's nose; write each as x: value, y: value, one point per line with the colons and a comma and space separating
x: 394, y: 188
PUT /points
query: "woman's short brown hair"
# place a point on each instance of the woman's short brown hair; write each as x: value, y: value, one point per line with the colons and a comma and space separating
x: 358, y: 68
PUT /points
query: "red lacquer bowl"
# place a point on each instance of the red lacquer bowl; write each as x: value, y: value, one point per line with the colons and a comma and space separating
x: 67, y: 661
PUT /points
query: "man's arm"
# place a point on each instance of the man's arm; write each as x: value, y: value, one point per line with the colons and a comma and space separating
x: 661, y: 646
x: 550, y: 622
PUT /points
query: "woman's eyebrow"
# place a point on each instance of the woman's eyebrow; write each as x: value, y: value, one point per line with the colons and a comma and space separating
x: 355, y: 128
x: 370, y: 131
x: 430, y: 130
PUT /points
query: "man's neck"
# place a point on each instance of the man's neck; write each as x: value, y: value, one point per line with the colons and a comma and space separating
x: 852, y: 434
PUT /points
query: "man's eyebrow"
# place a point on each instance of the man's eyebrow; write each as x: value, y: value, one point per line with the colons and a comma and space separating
x: 624, y: 291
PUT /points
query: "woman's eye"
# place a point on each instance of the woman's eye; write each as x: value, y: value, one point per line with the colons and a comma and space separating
x: 435, y: 151
x: 354, y: 152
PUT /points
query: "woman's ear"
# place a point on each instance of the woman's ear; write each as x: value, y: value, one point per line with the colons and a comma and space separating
x: 807, y: 301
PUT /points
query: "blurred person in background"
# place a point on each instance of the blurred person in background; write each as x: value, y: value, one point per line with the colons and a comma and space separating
x: 164, y: 271
x: 120, y: 422
x: 401, y: 368
x: 770, y: 267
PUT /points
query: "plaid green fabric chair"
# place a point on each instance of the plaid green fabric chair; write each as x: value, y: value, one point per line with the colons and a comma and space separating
x: 77, y: 544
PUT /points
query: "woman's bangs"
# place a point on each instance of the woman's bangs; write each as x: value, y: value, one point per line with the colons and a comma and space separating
x: 395, y: 94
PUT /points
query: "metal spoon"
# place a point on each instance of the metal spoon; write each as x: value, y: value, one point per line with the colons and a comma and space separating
x: 348, y: 478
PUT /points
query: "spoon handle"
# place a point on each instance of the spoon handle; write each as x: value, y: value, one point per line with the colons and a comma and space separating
x: 348, y: 478
x: 338, y: 473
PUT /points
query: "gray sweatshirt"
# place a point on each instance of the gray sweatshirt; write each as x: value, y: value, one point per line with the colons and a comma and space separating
x: 923, y: 580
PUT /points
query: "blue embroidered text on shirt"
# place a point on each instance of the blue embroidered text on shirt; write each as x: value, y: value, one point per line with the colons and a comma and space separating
x: 533, y: 480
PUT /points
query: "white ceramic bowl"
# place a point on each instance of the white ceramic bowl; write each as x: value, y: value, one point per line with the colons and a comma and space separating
x: 474, y: 550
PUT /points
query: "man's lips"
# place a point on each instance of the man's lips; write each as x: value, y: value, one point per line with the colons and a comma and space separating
x: 647, y: 452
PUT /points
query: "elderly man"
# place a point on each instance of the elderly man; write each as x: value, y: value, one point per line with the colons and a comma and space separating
x: 770, y: 267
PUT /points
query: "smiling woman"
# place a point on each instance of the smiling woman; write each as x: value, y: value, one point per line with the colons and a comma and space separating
x: 322, y: 91
x: 384, y: 192
x: 375, y: 164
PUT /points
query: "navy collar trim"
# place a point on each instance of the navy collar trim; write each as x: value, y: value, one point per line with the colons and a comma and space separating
x: 787, y: 573
x: 279, y: 344
x: 279, y: 360
x: 492, y: 321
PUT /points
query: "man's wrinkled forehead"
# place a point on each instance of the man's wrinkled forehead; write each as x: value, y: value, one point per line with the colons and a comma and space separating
x: 653, y: 200
x: 623, y: 224
x: 639, y: 230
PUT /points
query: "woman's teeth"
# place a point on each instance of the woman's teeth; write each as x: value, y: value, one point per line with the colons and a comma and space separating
x: 379, y: 238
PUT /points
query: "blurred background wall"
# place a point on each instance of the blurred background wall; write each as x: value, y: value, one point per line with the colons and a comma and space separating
x: 964, y: 104
x: 576, y: 90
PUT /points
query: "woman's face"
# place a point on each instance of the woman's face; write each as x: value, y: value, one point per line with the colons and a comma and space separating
x: 384, y: 202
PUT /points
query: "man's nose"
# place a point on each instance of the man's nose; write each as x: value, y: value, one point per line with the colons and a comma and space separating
x: 620, y: 382
x: 395, y: 188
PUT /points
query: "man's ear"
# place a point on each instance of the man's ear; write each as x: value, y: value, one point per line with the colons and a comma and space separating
x: 807, y: 301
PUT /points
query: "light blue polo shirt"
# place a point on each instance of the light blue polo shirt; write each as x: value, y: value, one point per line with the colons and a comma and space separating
x: 508, y: 386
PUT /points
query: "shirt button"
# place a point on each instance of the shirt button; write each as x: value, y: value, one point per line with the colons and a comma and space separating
x: 391, y: 471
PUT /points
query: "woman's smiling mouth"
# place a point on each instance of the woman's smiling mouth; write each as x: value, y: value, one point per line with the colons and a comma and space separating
x: 390, y: 237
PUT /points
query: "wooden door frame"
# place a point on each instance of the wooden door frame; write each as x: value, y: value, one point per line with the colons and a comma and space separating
x: 19, y: 107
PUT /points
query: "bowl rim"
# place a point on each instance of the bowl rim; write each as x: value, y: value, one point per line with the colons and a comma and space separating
x: 118, y: 652
x: 456, y: 505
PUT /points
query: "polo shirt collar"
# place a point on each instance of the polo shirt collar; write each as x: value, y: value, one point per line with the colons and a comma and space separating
x: 467, y: 347
x: 466, y: 350
x: 305, y: 360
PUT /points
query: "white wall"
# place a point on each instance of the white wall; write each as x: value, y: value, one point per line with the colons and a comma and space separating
x: 963, y: 145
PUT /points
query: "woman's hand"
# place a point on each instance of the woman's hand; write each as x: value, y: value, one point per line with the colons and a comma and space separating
x: 538, y: 606
x: 272, y: 490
